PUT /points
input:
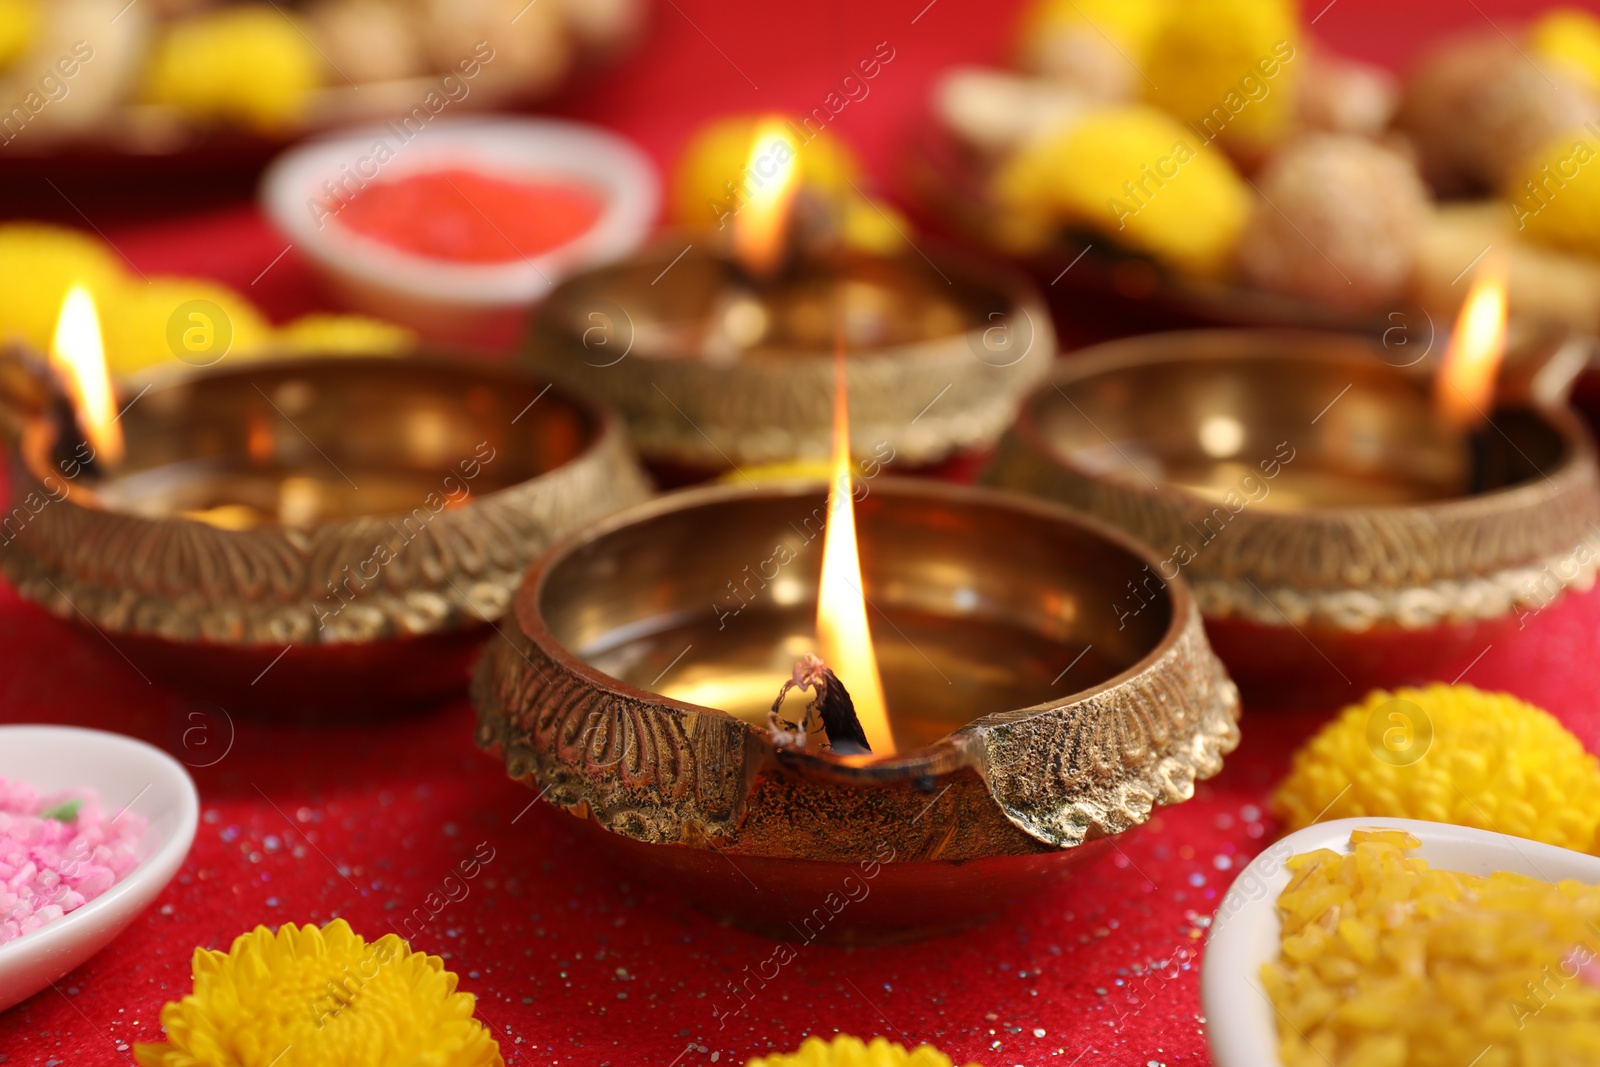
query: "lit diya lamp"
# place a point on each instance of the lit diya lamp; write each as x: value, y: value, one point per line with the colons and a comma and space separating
x: 332, y: 532
x: 1342, y: 520
x: 973, y: 721
x: 717, y: 352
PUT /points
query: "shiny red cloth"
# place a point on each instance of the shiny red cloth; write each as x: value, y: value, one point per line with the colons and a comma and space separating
x: 573, y: 961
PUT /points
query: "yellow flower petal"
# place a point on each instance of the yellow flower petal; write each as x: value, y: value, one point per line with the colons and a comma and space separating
x: 847, y: 1051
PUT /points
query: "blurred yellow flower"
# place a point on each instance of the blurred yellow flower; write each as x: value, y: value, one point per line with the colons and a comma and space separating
x: 1448, y: 753
x: 1555, y: 195
x: 38, y: 264
x: 1229, y: 68
x: 1133, y: 174
x: 847, y: 1051
x: 1571, y: 38
x: 708, y: 184
x: 343, y: 335
x: 19, y: 22
x: 1130, y: 25
x: 310, y: 997
x: 163, y: 322
x: 178, y: 321
x: 248, y: 63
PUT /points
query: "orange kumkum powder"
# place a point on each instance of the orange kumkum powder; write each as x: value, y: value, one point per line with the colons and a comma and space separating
x: 467, y: 217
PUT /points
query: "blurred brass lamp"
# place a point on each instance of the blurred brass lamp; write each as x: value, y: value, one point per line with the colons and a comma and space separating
x: 1338, y: 525
x: 717, y: 347
x: 300, y: 534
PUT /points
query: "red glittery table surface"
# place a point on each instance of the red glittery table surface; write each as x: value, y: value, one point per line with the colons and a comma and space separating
x: 573, y: 961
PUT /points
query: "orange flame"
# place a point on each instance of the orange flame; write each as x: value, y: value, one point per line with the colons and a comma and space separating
x: 78, y: 353
x: 759, y: 228
x: 842, y: 632
x: 1463, y: 393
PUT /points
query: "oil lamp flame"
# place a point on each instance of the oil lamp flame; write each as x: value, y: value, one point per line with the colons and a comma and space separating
x: 79, y: 356
x: 772, y: 170
x: 842, y: 633
x: 1464, y: 390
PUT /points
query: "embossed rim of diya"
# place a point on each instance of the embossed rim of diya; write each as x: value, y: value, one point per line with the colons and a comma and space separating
x: 1037, y: 779
x: 712, y: 415
x: 1415, y: 566
x: 182, y: 580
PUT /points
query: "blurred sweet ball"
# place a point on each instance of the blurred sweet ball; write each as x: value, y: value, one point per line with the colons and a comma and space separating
x: 151, y: 76
x: 1287, y: 184
x: 1345, y: 221
x: 160, y: 322
x: 1479, y: 104
x: 1448, y: 753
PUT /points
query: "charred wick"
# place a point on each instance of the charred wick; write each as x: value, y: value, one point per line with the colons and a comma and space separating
x: 831, y: 704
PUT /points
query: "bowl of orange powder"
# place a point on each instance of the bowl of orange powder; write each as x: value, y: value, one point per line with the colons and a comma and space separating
x: 457, y: 228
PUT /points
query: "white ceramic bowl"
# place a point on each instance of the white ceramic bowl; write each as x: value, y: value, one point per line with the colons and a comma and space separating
x: 121, y: 770
x: 1240, y: 1023
x: 445, y: 300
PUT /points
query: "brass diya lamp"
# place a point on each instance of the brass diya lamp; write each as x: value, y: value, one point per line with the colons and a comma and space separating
x: 1343, y: 521
x: 721, y: 357
x: 1014, y: 728
x: 306, y: 533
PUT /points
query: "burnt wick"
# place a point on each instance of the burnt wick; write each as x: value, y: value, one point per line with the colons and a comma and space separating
x: 830, y: 702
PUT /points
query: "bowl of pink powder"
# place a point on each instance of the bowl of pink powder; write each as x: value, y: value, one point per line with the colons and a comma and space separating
x: 92, y: 826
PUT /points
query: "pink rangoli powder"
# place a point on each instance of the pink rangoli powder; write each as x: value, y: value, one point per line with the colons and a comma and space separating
x: 53, y: 863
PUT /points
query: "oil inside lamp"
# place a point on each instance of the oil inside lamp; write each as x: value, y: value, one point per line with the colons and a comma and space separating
x: 78, y: 356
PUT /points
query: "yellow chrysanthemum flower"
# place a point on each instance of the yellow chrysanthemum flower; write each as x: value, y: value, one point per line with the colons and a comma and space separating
x: 847, y: 1051
x: 310, y: 997
x: 1133, y: 174
x: 249, y: 64
x: 709, y: 180
x: 19, y: 22
x: 38, y: 264
x: 1568, y: 37
x: 1448, y: 753
x: 1229, y: 68
x: 178, y: 321
x: 344, y: 335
